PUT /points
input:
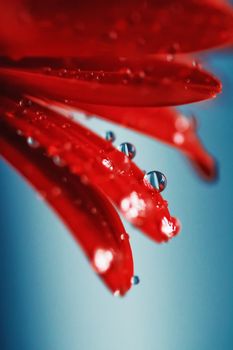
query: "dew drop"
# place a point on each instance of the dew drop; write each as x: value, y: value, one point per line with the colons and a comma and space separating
x: 156, y: 179
x: 25, y: 103
x: 19, y: 132
x: 135, y: 280
x: 32, y: 142
x: 47, y: 70
x: 110, y: 136
x: 93, y: 210
x: 128, y: 149
x: 122, y: 236
x: 58, y: 161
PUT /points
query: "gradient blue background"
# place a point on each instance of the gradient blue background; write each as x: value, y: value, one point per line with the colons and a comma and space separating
x: 52, y: 300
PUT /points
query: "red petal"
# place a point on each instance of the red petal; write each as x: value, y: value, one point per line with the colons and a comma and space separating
x: 74, y: 28
x: 98, y: 163
x: 145, y: 82
x: 166, y: 125
x: 89, y: 215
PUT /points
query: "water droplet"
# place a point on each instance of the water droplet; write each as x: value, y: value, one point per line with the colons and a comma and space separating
x: 156, y: 179
x: 24, y: 102
x: 58, y: 161
x: 19, y: 132
x: 47, y: 70
x: 128, y: 149
x: 135, y: 280
x: 123, y: 236
x: 170, y: 57
x: 84, y: 179
x: 32, y: 142
x: 110, y: 136
x: 93, y: 210
x: 102, y: 260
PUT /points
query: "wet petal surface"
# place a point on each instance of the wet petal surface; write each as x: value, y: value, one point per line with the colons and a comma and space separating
x: 88, y: 214
x: 117, y: 26
x: 97, y: 162
x: 147, y: 82
x: 164, y: 124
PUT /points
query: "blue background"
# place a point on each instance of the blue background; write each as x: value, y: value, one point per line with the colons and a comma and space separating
x: 52, y: 300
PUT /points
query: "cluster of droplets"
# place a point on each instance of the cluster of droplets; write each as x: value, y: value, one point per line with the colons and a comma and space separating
x: 103, y: 258
x: 154, y: 179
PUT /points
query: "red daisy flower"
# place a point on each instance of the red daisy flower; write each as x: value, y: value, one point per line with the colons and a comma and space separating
x: 127, y: 62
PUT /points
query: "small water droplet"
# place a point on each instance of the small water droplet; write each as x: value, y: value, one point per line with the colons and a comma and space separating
x: 135, y: 280
x: 156, y: 179
x: 110, y: 136
x: 47, y: 70
x: 93, y: 210
x: 84, y: 179
x: 19, y: 132
x: 170, y: 57
x: 128, y: 149
x: 24, y: 102
x: 32, y: 142
x: 58, y: 161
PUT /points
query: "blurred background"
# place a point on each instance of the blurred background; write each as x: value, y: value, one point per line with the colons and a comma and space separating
x: 50, y: 299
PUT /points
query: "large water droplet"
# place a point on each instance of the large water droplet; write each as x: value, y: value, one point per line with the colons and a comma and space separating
x: 32, y: 142
x: 156, y: 179
x: 110, y: 136
x: 135, y: 280
x: 128, y: 149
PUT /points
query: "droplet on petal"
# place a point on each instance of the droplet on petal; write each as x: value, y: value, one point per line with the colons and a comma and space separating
x: 128, y: 149
x: 32, y: 142
x: 110, y: 136
x: 135, y: 280
x: 156, y: 179
x: 24, y: 102
x: 58, y: 161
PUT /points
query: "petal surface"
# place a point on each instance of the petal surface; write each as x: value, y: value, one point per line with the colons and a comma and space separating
x: 88, y: 214
x: 164, y: 124
x: 132, y: 27
x: 98, y: 163
x: 147, y: 82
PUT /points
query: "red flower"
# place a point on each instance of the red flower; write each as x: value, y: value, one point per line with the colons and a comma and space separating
x: 116, y: 60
